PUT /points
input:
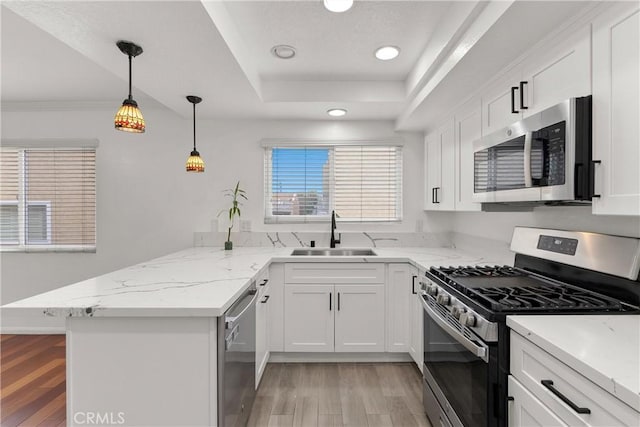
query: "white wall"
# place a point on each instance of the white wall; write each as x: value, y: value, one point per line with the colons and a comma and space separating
x: 149, y: 206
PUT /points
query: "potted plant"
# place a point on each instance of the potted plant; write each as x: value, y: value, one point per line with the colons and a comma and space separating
x: 234, y: 194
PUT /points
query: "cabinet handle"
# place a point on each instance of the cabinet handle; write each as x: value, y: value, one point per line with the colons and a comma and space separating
x: 433, y: 194
x: 338, y: 301
x: 329, y: 301
x: 266, y: 298
x: 413, y: 284
x: 264, y: 282
x: 513, y: 99
x: 549, y: 385
x: 522, y: 106
x: 592, y: 178
x: 437, y: 198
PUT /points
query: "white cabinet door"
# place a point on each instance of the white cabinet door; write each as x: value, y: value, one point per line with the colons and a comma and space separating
x: 498, y: 105
x: 563, y: 73
x: 359, y: 318
x: 275, y: 313
x: 468, y: 128
x: 308, y: 318
x: 440, y: 169
x: 416, y: 327
x: 261, y: 336
x: 616, y: 109
x: 432, y: 163
x: 401, y: 283
x: 527, y: 411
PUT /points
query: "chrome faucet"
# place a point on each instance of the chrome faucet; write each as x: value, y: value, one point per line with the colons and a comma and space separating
x: 333, y: 228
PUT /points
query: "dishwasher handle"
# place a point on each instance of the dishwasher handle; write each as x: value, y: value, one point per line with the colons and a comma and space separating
x: 231, y: 320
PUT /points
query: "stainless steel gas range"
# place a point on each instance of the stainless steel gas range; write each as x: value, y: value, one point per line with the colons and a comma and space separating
x: 466, y: 340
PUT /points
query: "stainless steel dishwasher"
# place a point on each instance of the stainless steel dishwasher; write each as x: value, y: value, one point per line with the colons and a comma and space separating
x: 237, y: 360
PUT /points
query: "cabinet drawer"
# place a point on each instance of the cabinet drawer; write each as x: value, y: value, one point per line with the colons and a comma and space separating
x: 527, y: 411
x: 354, y: 273
x: 530, y: 365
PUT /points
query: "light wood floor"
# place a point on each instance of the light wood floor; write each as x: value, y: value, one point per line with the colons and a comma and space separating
x: 32, y: 380
x: 32, y: 390
x: 342, y: 394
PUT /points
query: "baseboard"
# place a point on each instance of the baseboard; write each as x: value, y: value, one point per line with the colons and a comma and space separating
x: 278, y: 357
x: 32, y: 330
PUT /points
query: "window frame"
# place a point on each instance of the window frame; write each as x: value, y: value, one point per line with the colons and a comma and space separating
x: 269, y: 144
x: 41, y: 246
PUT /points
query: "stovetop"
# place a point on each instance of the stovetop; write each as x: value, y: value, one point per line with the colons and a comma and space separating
x: 499, y: 289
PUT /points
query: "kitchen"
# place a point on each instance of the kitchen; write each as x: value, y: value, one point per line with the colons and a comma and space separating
x: 458, y: 78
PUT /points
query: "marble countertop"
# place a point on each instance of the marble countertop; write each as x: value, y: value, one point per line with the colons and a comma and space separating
x: 603, y: 348
x: 201, y: 281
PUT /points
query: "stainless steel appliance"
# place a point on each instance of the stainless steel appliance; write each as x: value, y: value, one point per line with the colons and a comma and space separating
x: 466, y: 340
x: 237, y: 360
x: 546, y: 157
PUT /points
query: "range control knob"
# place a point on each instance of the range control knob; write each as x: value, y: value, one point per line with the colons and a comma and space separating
x: 457, y: 311
x: 443, y: 299
x: 432, y: 290
x: 468, y: 319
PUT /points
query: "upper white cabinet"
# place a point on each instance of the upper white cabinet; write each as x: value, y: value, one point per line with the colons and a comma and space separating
x: 440, y: 168
x: 616, y: 107
x: 501, y: 103
x: 468, y: 128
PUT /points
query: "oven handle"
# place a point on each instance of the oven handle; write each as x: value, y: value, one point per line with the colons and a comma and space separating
x: 528, y: 181
x: 477, y: 350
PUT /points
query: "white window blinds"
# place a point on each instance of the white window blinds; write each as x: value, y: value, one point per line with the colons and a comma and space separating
x: 48, y: 199
x: 360, y: 182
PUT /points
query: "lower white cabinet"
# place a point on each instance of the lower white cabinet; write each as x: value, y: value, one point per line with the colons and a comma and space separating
x: 309, y: 318
x: 416, y: 326
x: 527, y: 411
x: 401, y: 283
x: 326, y: 318
x: 359, y: 318
x: 262, y: 324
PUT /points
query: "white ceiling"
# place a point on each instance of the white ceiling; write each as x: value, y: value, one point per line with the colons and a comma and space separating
x: 220, y: 50
x: 335, y: 46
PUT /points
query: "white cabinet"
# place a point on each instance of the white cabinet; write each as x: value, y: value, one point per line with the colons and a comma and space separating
x: 359, y: 318
x: 555, y: 384
x: 334, y: 307
x: 309, y: 318
x: 416, y: 325
x: 501, y: 103
x: 616, y: 111
x: 262, y: 324
x: 468, y: 128
x: 563, y: 72
x: 440, y: 168
x: 401, y: 283
x: 275, y: 313
x: 527, y: 411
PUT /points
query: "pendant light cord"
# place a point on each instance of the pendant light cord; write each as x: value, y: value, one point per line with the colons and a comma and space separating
x: 194, y: 127
x: 130, y: 97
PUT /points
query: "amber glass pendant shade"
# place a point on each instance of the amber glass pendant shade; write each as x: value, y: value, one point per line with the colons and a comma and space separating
x: 194, y: 162
x: 129, y: 117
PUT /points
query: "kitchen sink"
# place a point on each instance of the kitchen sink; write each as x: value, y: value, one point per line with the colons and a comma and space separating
x: 333, y: 252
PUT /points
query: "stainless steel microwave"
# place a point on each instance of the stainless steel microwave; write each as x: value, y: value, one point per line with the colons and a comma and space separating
x: 546, y: 157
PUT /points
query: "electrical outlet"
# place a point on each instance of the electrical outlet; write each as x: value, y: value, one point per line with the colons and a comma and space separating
x: 245, y: 225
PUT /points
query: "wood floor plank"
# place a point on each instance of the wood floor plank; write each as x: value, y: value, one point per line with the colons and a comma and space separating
x: 45, y: 412
x: 392, y: 384
x: 11, y: 388
x: 329, y: 396
x: 261, y: 411
x: 23, y: 356
x: 379, y: 420
x: 372, y: 397
x: 330, y: 420
x: 270, y: 379
x: 399, y: 412
x: 25, y: 411
x: 280, y: 421
x: 306, y: 412
x: 34, y: 391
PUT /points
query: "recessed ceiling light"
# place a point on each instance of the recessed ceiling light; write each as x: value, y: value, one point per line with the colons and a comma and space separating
x: 386, y: 53
x: 337, y: 112
x: 283, y: 51
x: 338, y: 5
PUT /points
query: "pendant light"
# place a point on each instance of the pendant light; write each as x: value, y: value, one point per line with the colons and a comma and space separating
x: 194, y: 162
x: 129, y: 117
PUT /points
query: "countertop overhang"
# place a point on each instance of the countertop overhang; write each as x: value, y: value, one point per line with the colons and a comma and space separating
x: 199, y: 282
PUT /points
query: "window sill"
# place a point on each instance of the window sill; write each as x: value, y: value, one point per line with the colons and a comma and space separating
x: 57, y: 249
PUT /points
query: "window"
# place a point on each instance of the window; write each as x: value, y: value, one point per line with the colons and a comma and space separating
x: 360, y: 182
x: 47, y: 199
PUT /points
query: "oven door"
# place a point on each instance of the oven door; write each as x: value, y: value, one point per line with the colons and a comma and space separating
x: 457, y: 371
